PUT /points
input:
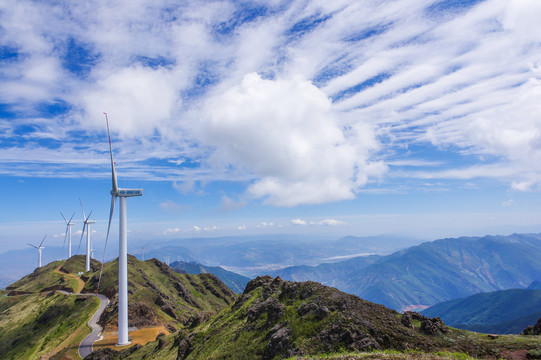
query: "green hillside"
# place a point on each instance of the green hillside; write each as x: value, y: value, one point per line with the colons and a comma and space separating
x: 160, y: 296
x: 36, y: 320
x: 232, y: 280
x: 274, y: 319
x: 502, y: 312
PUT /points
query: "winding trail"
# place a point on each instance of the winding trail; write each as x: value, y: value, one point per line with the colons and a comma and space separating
x: 85, y: 347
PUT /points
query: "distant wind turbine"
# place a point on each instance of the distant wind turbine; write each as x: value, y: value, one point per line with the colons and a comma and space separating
x: 68, y: 232
x: 39, y: 249
x: 86, y: 224
x: 123, y: 246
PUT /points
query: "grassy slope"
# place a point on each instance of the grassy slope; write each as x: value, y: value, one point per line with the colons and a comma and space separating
x: 160, y: 296
x: 46, y: 322
x: 32, y: 325
x: 247, y: 328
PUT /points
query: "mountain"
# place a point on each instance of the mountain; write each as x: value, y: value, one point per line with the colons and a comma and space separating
x: 535, y: 285
x: 250, y: 255
x: 247, y: 255
x: 232, y: 280
x: 276, y: 319
x: 438, y: 271
x: 327, y: 273
x: 36, y: 320
x: 498, y: 312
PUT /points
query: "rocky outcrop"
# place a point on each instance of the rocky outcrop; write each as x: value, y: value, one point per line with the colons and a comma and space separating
x: 533, y: 330
x: 429, y: 326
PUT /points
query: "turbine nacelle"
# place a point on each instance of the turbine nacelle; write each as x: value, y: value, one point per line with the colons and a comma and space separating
x: 127, y: 192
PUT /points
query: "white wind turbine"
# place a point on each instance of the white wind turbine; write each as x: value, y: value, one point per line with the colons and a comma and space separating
x: 86, y: 224
x: 123, y: 246
x: 39, y: 249
x: 68, y: 232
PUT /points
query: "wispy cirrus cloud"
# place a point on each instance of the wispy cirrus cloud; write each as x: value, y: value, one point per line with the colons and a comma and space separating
x: 304, y: 102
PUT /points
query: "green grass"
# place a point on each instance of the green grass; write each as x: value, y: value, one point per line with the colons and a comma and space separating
x: 33, y: 325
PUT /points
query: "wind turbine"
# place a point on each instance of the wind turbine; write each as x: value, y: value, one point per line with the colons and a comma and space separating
x: 123, y: 246
x: 68, y: 232
x: 86, y: 224
x: 39, y: 249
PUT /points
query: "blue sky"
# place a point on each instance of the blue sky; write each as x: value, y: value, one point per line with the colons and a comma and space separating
x: 311, y: 117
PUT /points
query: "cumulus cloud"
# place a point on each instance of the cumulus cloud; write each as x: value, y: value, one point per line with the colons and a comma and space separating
x: 286, y: 134
x: 331, y: 222
x: 241, y: 227
x: 302, y: 116
x: 298, y: 222
x: 171, y: 231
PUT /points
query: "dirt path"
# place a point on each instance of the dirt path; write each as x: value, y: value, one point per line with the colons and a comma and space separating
x: 80, y: 283
x: 140, y: 336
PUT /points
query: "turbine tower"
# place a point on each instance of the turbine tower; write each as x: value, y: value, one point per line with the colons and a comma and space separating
x: 123, y: 246
x: 68, y: 232
x: 86, y: 224
x: 39, y: 249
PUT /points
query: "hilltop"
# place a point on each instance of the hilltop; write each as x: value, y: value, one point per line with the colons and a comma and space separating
x: 36, y: 320
x: 276, y: 319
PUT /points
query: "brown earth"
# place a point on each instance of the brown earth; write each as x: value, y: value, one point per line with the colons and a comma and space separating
x: 139, y: 336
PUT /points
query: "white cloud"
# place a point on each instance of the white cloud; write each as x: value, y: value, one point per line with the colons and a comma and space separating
x: 196, y: 228
x: 241, y: 227
x: 171, y: 231
x: 329, y: 222
x: 464, y: 81
x: 287, y: 135
x: 298, y: 222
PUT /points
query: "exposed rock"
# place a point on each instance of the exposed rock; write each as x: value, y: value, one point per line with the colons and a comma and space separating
x: 319, y: 311
x: 279, y: 342
x: 433, y: 326
x: 184, y: 349
x: 271, y: 306
x: 533, y: 330
x: 141, y: 315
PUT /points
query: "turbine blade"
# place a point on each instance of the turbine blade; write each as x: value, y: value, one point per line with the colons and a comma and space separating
x: 84, y: 217
x: 64, y: 217
x: 32, y: 245
x: 71, y: 217
x: 89, y: 215
x: 65, y: 237
x: 42, y: 240
x: 113, y: 201
x: 115, y: 184
x: 81, y: 239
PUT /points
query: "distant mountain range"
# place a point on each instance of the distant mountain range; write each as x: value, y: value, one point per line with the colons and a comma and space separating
x: 247, y: 255
x: 232, y: 280
x: 498, y: 312
x: 433, y: 272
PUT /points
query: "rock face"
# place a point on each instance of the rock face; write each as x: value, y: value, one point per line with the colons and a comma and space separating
x: 279, y: 319
x: 429, y: 326
x: 533, y: 330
